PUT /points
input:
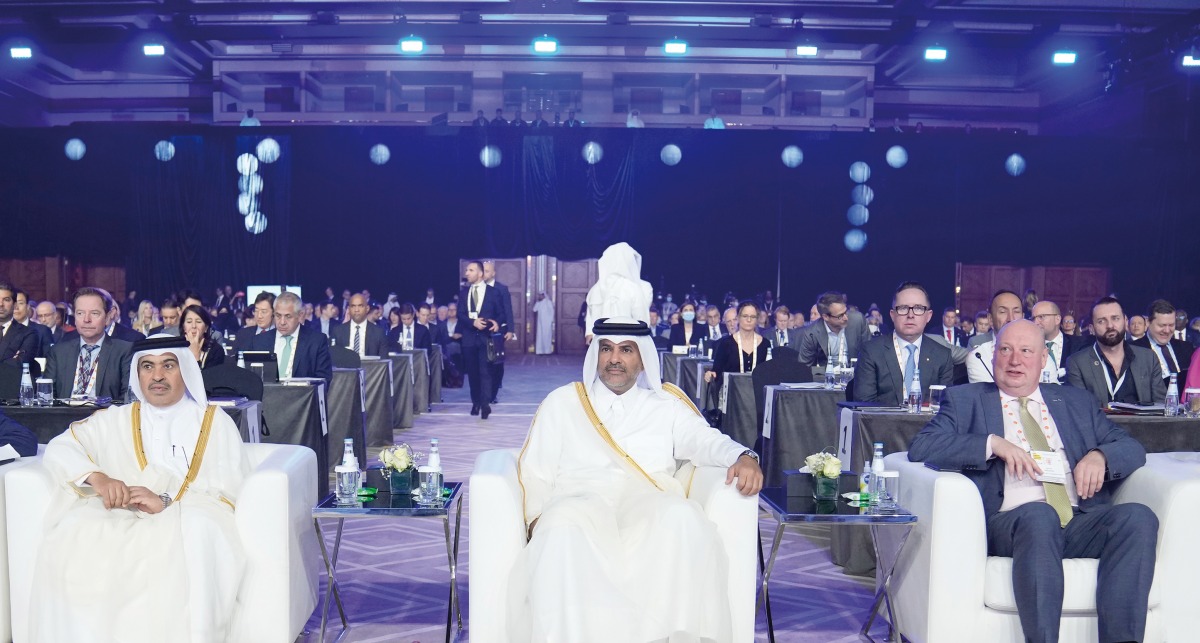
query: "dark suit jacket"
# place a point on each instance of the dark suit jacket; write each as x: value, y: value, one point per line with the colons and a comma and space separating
x: 243, y: 340
x: 1085, y: 371
x: 1183, y: 357
x: 956, y: 438
x: 44, y: 339
x: 880, y: 378
x: 490, y: 308
x: 506, y: 304
x: 174, y: 330
x: 960, y: 338
x: 437, y: 332
x: 113, y: 366
x: 15, y: 433
x: 126, y: 333
x: 422, y: 338
x: 699, y: 331
x: 1071, y: 344
x: 814, y: 339
x: 376, y: 340
x: 19, y: 346
x: 311, y: 352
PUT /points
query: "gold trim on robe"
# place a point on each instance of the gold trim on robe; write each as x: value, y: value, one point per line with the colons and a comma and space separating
x: 197, y: 456
x: 581, y: 391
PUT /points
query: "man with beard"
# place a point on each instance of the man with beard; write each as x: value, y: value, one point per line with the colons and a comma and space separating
x: 1113, y: 370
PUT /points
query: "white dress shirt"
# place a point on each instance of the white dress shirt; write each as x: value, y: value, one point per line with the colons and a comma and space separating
x: 91, y: 387
x: 902, y: 354
x: 979, y: 368
x: 1018, y: 492
x: 839, y: 340
x: 361, y: 329
x: 279, y: 343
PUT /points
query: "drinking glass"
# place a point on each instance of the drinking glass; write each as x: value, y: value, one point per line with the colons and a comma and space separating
x: 45, y: 391
x: 889, y: 491
x: 936, y: 393
x: 1191, y: 402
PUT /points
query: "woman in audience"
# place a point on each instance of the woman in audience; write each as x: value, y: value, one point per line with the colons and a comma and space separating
x: 742, y: 351
x: 393, y: 322
x: 1068, y: 325
x: 196, y: 324
x: 145, y: 318
x: 687, y: 332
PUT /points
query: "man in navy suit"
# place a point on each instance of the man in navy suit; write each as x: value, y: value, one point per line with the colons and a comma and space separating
x: 23, y: 314
x: 950, y: 330
x: 480, y: 313
x: 18, y: 344
x: 90, y: 363
x: 989, y: 432
x: 489, y: 277
x: 20, y: 438
x: 300, y: 352
x: 889, y: 363
x: 370, y: 338
x: 264, y: 320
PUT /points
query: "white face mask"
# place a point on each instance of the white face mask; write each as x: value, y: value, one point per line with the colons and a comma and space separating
x: 688, y: 316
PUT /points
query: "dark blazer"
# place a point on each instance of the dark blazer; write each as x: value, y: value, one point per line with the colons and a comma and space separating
x: 699, y: 331
x: 1084, y: 371
x: 315, y: 324
x: 437, y: 332
x: 113, y: 365
x: 376, y: 341
x: 15, y: 433
x: 956, y: 438
x: 880, y: 378
x: 173, y: 330
x: 490, y: 308
x: 126, y: 333
x: 506, y: 304
x: 215, y: 355
x: 1183, y: 357
x: 19, y: 346
x: 311, y: 357
x: 243, y: 340
x: 960, y: 338
x: 1071, y: 344
x: 44, y: 338
x: 422, y: 338
x: 814, y: 339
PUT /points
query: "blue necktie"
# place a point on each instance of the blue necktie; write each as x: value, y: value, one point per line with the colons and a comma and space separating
x: 910, y: 367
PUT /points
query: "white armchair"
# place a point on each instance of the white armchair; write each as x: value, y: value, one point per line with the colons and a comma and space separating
x: 497, y: 536
x: 274, y: 520
x: 5, y: 612
x: 946, y: 586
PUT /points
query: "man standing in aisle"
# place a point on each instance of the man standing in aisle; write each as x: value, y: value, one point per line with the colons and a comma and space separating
x: 479, y: 315
x: 505, y: 332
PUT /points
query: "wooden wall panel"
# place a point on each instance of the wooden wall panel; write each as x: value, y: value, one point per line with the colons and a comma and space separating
x: 1073, y: 288
x: 574, y: 280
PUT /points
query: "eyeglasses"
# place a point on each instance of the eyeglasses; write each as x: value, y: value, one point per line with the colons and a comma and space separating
x: 844, y: 315
x: 1045, y: 316
x: 916, y: 310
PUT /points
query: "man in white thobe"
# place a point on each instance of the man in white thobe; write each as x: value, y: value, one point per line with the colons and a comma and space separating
x: 544, y: 309
x: 617, y: 552
x: 141, y: 544
x: 620, y: 290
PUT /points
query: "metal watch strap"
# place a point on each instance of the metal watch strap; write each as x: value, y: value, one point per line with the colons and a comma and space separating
x: 751, y: 453
x: 166, y: 499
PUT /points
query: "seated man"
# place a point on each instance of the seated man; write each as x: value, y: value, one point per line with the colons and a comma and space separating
x: 1113, y: 369
x: 299, y: 351
x: 612, y: 537
x: 1174, y: 355
x: 888, y: 364
x: 90, y: 363
x: 15, y: 435
x: 839, y: 333
x: 360, y: 335
x: 1005, y: 307
x: 140, y: 542
x: 1041, y: 514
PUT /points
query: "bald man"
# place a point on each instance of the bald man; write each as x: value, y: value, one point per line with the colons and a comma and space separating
x: 359, y: 334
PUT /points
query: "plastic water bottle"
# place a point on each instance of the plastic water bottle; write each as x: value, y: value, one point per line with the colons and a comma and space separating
x: 876, y: 481
x: 430, y: 475
x: 700, y: 352
x: 26, y: 393
x: 1170, y: 404
x: 864, y: 483
x: 349, y: 477
x: 770, y: 352
x: 241, y: 360
x: 913, y: 401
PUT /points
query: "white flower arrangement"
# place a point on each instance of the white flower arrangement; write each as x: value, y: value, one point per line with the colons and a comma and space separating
x: 398, y: 458
x: 824, y: 465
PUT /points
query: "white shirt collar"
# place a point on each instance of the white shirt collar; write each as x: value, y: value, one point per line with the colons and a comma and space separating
x: 99, y: 341
x: 1036, y: 396
x: 900, y: 343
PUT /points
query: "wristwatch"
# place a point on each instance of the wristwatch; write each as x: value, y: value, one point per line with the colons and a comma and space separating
x: 166, y: 499
x: 751, y: 453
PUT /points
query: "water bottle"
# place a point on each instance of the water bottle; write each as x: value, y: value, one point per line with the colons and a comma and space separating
x: 864, y: 483
x: 913, y: 402
x: 876, y: 481
x: 1170, y: 404
x: 241, y: 360
x: 349, y: 477
x: 770, y: 352
x: 430, y: 475
x: 26, y: 393
x: 700, y: 352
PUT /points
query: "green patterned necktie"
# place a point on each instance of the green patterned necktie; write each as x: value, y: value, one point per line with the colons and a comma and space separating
x: 1056, y: 492
x: 286, y: 357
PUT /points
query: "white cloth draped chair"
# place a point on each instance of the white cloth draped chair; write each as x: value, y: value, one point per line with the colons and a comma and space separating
x: 497, y: 536
x: 5, y: 611
x: 947, y: 588
x: 274, y: 520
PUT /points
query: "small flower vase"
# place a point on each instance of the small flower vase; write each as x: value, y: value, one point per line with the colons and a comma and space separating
x: 825, y: 488
x: 402, y: 482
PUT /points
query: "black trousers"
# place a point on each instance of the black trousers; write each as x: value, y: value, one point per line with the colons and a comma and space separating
x: 479, y: 373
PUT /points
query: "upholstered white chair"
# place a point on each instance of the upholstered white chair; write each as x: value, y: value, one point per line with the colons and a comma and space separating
x: 498, y: 535
x: 947, y: 588
x: 274, y: 520
x: 5, y: 611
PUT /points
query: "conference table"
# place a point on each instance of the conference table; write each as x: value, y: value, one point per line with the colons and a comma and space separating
x: 420, y: 379
x: 346, y: 415
x: 46, y: 422
x: 739, y: 417
x: 798, y: 421
x: 294, y: 412
x: 378, y: 405
x: 402, y: 398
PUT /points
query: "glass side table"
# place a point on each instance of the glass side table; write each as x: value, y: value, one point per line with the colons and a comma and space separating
x: 386, y: 506
x: 804, y: 509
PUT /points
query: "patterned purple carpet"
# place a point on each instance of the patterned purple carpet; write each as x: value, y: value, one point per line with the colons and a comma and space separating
x: 394, y: 573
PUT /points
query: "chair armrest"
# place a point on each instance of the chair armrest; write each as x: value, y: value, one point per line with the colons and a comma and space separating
x: 736, y: 518
x: 497, y: 536
x: 939, y: 578
x: 274, y: 521
x: 28, y: 492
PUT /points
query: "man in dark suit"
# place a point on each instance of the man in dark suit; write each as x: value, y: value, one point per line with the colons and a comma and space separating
x: 326, y: 319
x: 713, y: 330
x: 23, y: 314
x: 988, y: 431
x: 15, y: 434
x: 1059, y: 346
x: 90, y: 363
x: 888, y: 364
x: 1113, y: 370
x: 116, y: 329
x: 264, y: 320
x: 1174, y: 355
x: 479, y: 314
x: 409, y: 333
x: 838, y: 333
x: 489, y: 276
x: 950, y: 329
x: 18, y: 344
x: 451, y: 337
x: 300, y: 352
x: 360, y: 335
x: 781, y: 334
x: 170, y: 313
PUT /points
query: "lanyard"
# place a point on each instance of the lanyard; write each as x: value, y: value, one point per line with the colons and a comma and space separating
x: 737, y: 337
x: 1112, y: 390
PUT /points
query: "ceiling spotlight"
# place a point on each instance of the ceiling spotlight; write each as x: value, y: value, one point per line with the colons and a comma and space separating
x: 1064, y: 58
x: 806, y: 50
x: 154, y: 50
x: 21, y: 52
x: 412, y: 45
x: 935, y: 53
x: 545, y: 45
x: 675, y: 47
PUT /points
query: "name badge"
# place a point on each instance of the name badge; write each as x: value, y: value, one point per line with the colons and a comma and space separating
x: 473, y: 315
x: 1054, y: 468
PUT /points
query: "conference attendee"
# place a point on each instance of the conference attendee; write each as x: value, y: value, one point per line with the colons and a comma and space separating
x: 714, y: 329
x: 619, y: 290
x: 23, y: 315
x: 449, y: 336
x: 967, y: 326
x: 518, y: 120
x: 64, y: 317
x: 443, y: 313
x: 477, y: 320
x: 874, y: 321
x: 223, y: 296
x: 838, y: 336
x: 424, y: 313
x: 950, y: 329
x: 264, y: 320
x: 120, y: 331
x: 15, y: 435
x: 1029, y: 301
x: 729, y: 320
x: 480, y: 119
x: 141, y: 543
x: 888, y: 365
x: 768, y: 302
x: 47, y: 316
x: 634, y: 120
x: 1137, y: 327
x: 196, y: 326
x: 1174, y: 355
x: 669, y: 307
x: 543, y: 311
x: 300, y: 352
x: 742, y: 351
x: 237, y: 303
x: 658, y: 327
x: 571, y: 120
x: 131, y: 301
x: 1069, y: 327
x: 1059, y: 346
x: 1113, y: 370
x: 983, y: 329
x: 250, y: 120
x: 326, y: 319
x: 987, y: 432
x: 169, y: 312
x: 610, y: 537
x: 781, y: 335
x: 499, y: 121
x: 18, y: 343
x: 90, y: 364
x: 814, y: 314
x: 687, y: 332
x: 1184, y: 331
x: 144, y: 322
x: 713, y: 121
x: 409, y: 334
x: 1005, y: 307
x: 359, y: 334
x: 538, y: 121
x: 506, y: 323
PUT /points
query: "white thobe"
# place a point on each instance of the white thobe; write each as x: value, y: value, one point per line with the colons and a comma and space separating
x: 544, y: 342
x: 123, y: 575
x: 613, y: 558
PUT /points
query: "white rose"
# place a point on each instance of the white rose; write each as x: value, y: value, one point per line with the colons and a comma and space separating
x: 813, y: 462
x: 833, y: 468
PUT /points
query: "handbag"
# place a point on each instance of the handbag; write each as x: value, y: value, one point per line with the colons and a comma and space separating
x: 495, y: 349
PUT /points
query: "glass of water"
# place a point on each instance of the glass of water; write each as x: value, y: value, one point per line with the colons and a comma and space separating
x: 1191, y: 402
x: 45, y: 392
x: 431, y: 488
x: 936, y: 393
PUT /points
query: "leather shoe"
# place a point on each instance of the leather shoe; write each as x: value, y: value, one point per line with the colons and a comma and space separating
x: 485, y: 412
x: 474, y: 409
